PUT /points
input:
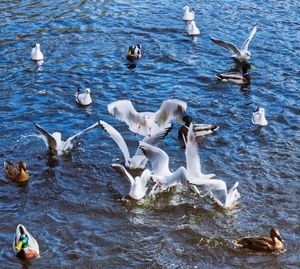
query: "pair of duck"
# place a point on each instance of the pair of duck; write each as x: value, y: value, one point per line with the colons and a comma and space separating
x: 25, y: 247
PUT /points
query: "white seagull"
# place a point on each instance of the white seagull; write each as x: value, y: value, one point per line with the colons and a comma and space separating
x: 258, y: 117
x: 36, y: 53
x: 161, y: 173
x: 216, y: 188
x: 192, y: 29
x: 242, y: 54
x: 83, y: 98
x: 138, y: 160
x: 54, y: 142
x: 138, y: 185
x: 188, y: 15
x: 147, y: 123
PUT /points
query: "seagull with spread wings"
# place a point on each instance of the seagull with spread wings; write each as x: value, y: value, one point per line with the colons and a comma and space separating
x: 147, y: 123
x: 242, y: 54
x: 54, y: 142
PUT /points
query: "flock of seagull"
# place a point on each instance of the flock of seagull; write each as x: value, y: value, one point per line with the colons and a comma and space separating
x: 154, y: 126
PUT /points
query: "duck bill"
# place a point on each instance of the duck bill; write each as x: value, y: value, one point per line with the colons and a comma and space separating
x: 179, y: 121
x: 19, y: 245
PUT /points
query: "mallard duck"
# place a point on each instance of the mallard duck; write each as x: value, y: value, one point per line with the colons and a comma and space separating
x: 147, y: 123
x: 188, y: 15
x: 134, y: 53
x: 199, y: 129
x: 242, y: 54
x: 258, y: 117
x: 192, y: 29
x: 262, y: 244
x: 54, y: 142
x: 83, y: 98
x: 36, y: 53
x: 237, y: 77
x: 25, y: 247
x: 17, y: 172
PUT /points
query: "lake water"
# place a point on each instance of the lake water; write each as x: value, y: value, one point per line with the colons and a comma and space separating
x: 72, y: 204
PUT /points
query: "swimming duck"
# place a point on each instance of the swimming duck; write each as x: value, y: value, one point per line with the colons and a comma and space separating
x: 147, y: 123
x: 25, y: 247
x: 188, y: 15
x: 237, y: 77
x: 36, y: 53
x: 258, y: 117
x: 83, y: 98
x: 242, y: 54
x: 134, y: 53
x: 17, y: 172
x: 262, y: 244
x: 192, y: 29
x: 199, y: 129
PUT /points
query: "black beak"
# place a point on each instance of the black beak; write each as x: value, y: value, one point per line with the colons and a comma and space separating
x: 256, y: 110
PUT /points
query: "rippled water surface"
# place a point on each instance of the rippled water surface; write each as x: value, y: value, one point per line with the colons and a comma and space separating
x: 72, y: 205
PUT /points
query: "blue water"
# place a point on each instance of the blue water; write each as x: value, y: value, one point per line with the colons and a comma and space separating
x: 72, y: 204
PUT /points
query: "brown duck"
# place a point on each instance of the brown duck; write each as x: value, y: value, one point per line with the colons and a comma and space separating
x: 17, y: 172
x: 262, y: 244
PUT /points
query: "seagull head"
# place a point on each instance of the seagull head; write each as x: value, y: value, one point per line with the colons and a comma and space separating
x: 88, y: 90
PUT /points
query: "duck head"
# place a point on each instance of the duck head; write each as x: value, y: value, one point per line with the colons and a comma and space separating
x: 246, y: 67
x: 274, y: 233
x: 186, y: 119
x: 22, y: 166
x: 22, y: 238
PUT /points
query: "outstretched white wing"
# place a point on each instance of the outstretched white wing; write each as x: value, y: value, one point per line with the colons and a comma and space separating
x: 169, y: 110
x: 124, y: 171
x: 158, y: 158
x: 249, y: 38
x: 68, y: 143
x: 227, y: 45
x: 117, y: 137
x: 47, y: 137
x: 124, y: 111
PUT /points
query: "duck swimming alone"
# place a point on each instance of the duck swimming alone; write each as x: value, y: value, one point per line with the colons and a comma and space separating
x: 262, y: 244
x: 237, y: 77
x: 134, y: 53
x: 258, y: 117
x: 200, y: 129
x: 36, y: 53
x: 242, y: 54
x: 83, y: 98
x: 17, y: 172
x: 25, y: 247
